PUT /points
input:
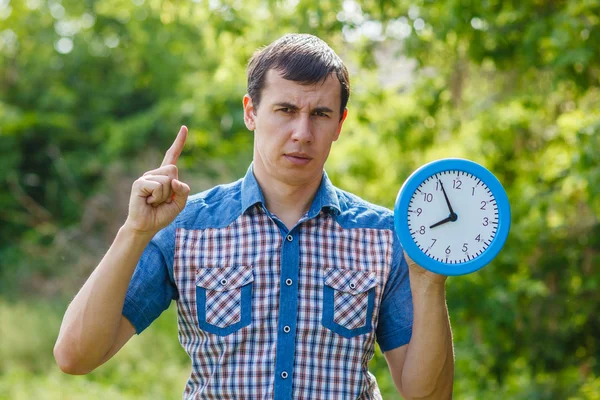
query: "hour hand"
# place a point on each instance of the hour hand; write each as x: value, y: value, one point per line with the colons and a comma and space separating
x: 449, y: 219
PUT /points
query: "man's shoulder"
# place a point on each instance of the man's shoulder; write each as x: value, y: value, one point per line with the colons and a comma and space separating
x: 213, y: 207
x: 358, y: 212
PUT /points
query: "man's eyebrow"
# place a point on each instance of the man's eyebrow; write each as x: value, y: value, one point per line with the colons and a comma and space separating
x: 323, y: 110
x: 286, y: 105
x: 295, y: 107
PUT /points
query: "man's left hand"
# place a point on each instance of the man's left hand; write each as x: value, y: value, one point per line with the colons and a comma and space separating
x: 422, y: 276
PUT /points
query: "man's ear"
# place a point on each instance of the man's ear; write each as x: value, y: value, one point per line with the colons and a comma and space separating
x: 249, y: 113
x: 339, y: 129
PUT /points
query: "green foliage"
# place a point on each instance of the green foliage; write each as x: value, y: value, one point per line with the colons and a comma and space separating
x: 29, y: 371
x: 92, y: 92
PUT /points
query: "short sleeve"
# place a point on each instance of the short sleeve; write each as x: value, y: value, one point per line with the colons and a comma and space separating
x: 152, y: 286
x: 396, y: 311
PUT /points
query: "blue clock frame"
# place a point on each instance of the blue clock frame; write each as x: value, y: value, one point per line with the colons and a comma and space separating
x: 401, y: 215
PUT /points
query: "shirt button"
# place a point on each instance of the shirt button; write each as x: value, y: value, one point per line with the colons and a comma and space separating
x: 223, y: 282
x: 288, y: 282
x: 284, y: 375
x: 352, y: 286
x: 286, y: 329
x: 289, y: 238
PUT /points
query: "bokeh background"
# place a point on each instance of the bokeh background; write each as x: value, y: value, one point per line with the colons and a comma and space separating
x: 92, y: 92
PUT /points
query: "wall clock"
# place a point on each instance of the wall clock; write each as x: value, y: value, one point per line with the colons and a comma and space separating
x: 452, y: 216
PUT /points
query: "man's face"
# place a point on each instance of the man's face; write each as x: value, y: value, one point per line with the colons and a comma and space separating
x: 294, y: 127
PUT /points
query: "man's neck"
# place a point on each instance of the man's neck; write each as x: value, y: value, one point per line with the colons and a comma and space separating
x: 289, y: 203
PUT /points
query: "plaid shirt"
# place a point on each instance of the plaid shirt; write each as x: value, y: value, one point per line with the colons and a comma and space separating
x: 271, y: 313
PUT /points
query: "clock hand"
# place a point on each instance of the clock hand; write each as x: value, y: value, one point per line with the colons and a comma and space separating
x: 453, y: 217
x: 446, y: 197
x: 441, y: 222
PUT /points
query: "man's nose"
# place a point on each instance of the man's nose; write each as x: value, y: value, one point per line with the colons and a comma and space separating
x: 302, y: 129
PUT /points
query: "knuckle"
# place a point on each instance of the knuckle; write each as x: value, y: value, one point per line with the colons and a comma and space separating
x: 137, y: 183
x: 172, y: 170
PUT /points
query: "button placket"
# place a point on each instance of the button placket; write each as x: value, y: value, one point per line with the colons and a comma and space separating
x: 288, y: 314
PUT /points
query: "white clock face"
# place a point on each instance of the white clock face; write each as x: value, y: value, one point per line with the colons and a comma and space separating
x: 456, y: 227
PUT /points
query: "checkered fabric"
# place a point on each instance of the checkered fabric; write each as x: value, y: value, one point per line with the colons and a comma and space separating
x: 351, y: 296
x: 270, y: 313
x: 350, y: 309
x: 223, y: 293
x: 241, y: 365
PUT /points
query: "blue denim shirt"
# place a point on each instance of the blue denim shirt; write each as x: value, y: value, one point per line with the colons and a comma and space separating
x: 242, y: 280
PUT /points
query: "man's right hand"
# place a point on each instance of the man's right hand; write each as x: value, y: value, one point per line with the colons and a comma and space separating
x: 94, y: 327
x: 157, y: 197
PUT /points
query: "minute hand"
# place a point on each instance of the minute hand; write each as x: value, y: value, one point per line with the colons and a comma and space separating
x: 446, y: 197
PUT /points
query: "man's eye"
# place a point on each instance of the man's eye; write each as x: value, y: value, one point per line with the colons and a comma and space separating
x: 321, y: 114
x: 284, y: 109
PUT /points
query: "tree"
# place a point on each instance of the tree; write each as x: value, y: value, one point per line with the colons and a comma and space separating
x: 88, y: 89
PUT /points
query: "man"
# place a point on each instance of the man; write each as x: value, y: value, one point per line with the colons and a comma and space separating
x: 283, y: 282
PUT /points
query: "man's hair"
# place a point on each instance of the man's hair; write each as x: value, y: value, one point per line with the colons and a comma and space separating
x: 301, y: 58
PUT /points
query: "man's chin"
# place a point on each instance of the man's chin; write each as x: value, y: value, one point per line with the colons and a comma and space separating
x: 300, y: 176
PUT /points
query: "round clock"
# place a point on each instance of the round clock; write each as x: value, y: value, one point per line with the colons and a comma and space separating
x: 452, y: 216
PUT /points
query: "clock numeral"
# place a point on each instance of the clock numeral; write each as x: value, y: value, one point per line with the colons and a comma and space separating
x: 422, y: 230
x: 465, y: 248
x: 428, y: 197
x: 418, y: 211
x: 434, y: 240
x: 486, y: 221
x: 483, y: 204
x: 437, y: 185
x: 456, y: 183
x: 478, y: 238
x: 447, y: 250
x: 473, y: 191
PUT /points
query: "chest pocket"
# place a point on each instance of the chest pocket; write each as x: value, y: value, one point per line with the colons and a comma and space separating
x: 348, y: 301
x: 224, y: 299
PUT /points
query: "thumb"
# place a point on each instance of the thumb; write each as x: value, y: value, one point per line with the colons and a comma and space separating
x: 181, y: 190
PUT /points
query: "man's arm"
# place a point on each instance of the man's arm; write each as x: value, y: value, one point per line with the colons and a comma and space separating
x: 424, y: 368
x: 93, y: 328
x: 93, y: 320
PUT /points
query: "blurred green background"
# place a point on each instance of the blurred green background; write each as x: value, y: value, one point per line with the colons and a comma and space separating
x: 92, y: 92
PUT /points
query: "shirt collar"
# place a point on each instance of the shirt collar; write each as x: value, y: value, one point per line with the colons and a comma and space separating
x: 326, y: 196
x: 251, y: 193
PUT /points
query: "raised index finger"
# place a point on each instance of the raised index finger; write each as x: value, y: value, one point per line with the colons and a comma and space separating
x: 176, y: 148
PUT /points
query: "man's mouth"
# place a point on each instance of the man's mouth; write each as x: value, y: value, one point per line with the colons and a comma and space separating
x: 297, y: 158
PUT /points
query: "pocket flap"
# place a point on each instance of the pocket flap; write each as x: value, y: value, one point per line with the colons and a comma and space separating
x: 350, y: 281
x: 223, y: 279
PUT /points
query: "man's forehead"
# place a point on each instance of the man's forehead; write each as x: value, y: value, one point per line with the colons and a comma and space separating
x: 276, y: 86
